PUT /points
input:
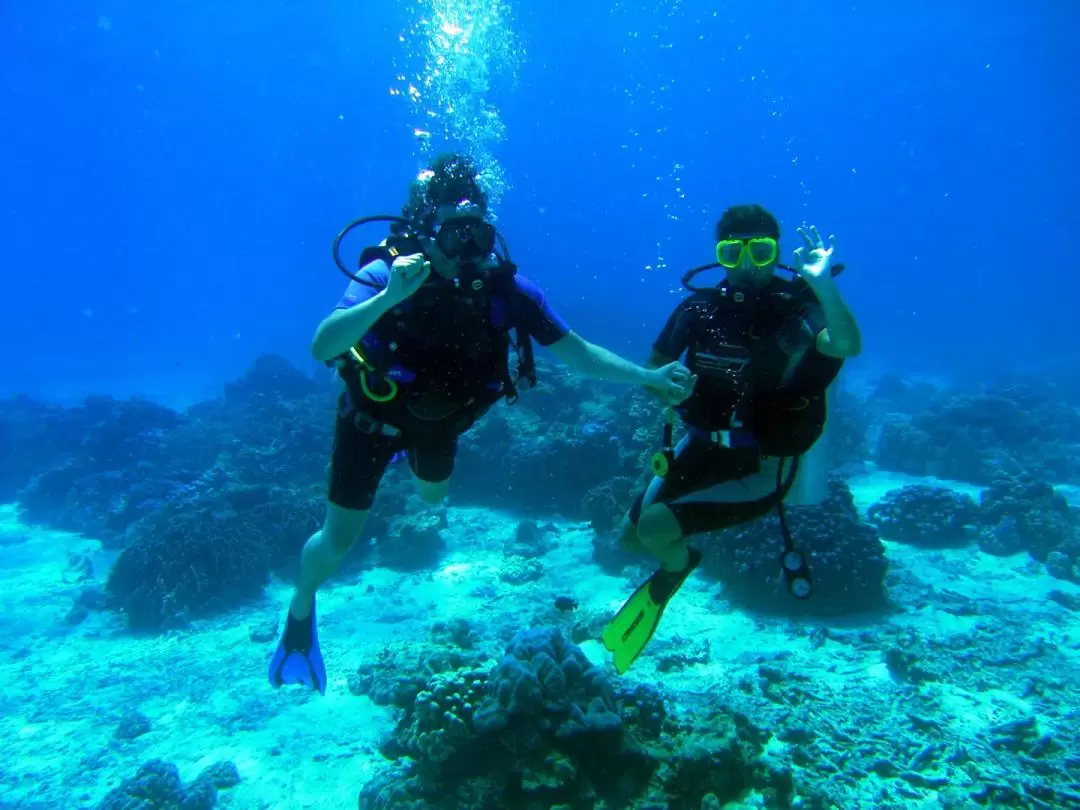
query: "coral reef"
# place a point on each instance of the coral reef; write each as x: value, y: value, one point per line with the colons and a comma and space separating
x: 846, y: 558
x: 1013, y: 426
x: 926, y: 516
x: 157, y: 786
x: 1024, y: 514
x: 544, y: 728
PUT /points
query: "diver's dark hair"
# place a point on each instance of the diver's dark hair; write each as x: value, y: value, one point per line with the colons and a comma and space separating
x: 451, y: 179
x: 747, y: 219
x: 455, y: 178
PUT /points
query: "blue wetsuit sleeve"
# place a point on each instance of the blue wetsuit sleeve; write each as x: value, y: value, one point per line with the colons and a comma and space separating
x: 375, y: 273
x: 535, y: 315
x: 674, y: 338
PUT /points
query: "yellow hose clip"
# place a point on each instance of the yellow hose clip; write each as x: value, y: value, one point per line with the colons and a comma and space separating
x: 660, y: 464
x: 661, y: 461
x: 366, y: 367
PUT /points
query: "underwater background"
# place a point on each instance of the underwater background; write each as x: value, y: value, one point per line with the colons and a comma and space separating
x: 172, y: 176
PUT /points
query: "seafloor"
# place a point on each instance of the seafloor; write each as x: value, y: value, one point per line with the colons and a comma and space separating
x: 206, y: 696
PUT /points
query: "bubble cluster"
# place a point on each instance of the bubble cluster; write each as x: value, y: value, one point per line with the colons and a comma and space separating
x: 651, y: 147
x: 457, y: 53
x: 702, y: 86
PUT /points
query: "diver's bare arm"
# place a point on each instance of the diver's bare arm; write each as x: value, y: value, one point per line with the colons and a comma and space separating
x: 841, y: 336
x: 599, y: 363
x: 657, y: 360
x: 343, y: 328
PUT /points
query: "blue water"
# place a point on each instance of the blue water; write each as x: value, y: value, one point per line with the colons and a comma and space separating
x: 172, y: 176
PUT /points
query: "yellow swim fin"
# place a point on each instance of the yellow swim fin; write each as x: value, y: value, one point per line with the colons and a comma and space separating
x: 627, y: 634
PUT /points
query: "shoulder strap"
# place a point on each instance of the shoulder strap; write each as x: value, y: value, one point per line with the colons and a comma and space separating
x: 375, y: 253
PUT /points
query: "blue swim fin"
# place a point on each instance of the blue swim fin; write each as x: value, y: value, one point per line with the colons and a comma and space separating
x: 297, y: 658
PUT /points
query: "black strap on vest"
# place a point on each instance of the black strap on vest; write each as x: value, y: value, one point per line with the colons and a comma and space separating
x: 526, y: 363
x: 500, y: 284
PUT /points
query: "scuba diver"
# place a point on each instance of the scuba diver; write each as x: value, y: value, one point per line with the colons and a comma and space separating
x: 764, y: 350
x: 421, y: 339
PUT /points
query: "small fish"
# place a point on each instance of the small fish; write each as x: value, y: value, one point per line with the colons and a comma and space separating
x: 565, y: 604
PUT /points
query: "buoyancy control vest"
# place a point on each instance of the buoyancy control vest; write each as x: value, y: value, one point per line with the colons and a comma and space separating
x: 757, y: 373
x: 443, y: 351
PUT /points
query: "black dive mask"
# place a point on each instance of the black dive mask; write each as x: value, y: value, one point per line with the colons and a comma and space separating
x: 470, y: 239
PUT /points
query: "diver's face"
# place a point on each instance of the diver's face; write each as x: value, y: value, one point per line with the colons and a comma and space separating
x: 751, y: 269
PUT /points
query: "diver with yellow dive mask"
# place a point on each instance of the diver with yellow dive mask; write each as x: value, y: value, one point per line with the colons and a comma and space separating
x: 763, y: 349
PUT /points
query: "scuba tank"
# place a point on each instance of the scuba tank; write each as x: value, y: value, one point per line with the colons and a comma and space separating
x: 811, y: 485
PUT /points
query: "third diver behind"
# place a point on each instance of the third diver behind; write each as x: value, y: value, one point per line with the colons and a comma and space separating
x: 764, y: 350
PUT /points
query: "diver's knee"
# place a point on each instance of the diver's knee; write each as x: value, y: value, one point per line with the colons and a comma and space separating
x: 657, y: 527
x: 342, y: 527
x: 337, y: 539
x: 432, y: 493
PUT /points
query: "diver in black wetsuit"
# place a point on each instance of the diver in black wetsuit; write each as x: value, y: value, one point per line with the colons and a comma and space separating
x: 763, y: 349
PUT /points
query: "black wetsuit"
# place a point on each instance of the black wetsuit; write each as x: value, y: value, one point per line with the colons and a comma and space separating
x: 760, y: 394
x: 448, y: 352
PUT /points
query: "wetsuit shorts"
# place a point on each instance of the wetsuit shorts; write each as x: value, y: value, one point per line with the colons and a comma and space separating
x: 709, y: 487
x: 360, y: 459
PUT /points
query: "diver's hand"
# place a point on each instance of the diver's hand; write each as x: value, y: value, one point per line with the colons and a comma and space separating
x: 813, y: 261
x: 407, y: 275
x: 673, y: 383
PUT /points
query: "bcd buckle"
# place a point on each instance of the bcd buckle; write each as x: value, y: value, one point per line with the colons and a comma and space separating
x: 366, y: 424
x: 733, y: 439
